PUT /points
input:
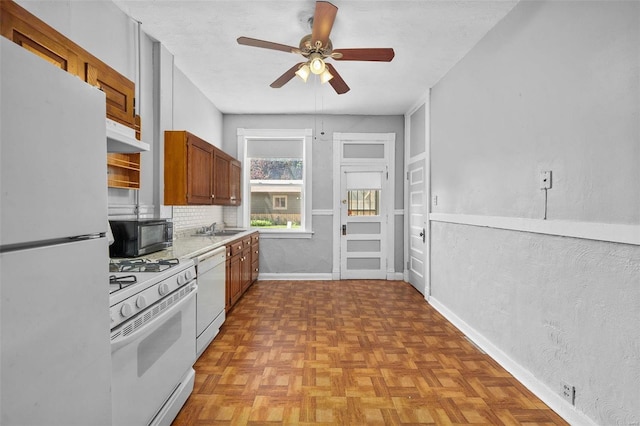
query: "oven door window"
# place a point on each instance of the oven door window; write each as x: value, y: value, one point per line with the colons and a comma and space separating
x: 158, y: 343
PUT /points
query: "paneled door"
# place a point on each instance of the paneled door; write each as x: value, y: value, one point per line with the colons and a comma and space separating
x: 417, y: 265
x: 417, y: 167
x: 364, y: 221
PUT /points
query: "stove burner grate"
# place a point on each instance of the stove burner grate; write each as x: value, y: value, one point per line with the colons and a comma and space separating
x: 122, y: 281
x: 141, y: 265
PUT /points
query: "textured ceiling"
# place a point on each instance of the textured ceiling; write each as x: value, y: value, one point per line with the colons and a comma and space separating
x: 428, y: 36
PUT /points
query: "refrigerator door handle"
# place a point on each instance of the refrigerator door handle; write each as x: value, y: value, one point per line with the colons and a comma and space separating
x: 89, y: 236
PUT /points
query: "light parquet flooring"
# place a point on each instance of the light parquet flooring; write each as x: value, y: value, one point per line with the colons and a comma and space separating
x: 357, y: 352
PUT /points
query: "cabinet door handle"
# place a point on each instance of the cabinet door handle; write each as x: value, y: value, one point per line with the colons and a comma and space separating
x: 213, y: 196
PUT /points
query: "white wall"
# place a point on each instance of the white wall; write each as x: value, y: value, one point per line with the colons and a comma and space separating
x: 554, y: 86
x: 193, y: 112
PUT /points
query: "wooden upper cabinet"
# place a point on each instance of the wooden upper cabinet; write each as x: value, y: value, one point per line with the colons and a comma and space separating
x: 221, y: 165
x: 188, y: 169
x: 199, y: 171
x: 25, y: 29
x: 235, y: 189
x: 196, y: 172
x: 118, y: 90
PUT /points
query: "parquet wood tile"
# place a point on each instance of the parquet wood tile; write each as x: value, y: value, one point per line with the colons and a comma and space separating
x: 356, y: 352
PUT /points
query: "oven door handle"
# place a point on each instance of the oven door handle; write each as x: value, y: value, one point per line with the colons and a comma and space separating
x: 151, y: 326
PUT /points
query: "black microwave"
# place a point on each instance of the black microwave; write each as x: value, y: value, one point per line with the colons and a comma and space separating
x: 133, y: 238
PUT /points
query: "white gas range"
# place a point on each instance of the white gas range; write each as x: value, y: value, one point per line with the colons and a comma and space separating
x: 153, y: 322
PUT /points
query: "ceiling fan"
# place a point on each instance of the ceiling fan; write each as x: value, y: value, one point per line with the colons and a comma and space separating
x: 317, y: 47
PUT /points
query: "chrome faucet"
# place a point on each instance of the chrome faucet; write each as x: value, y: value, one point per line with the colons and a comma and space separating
x: 212, y: 228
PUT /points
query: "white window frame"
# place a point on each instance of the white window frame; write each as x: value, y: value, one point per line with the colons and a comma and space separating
x: 244, y: 211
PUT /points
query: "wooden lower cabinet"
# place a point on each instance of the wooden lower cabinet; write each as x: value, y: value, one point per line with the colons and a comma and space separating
x: 255, y: 256
x: 242, y: 260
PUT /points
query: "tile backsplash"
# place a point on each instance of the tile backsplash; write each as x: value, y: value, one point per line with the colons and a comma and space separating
x: 188, y: 217
x: 185, y: 218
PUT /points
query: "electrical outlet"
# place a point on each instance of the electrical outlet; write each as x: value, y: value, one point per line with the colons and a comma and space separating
x: 569, y: 393
x: 434, y: 200
x: 545, y: 179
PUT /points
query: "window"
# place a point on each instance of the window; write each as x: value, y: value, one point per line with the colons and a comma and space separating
x: 279, y: 202
x: 276, y: 183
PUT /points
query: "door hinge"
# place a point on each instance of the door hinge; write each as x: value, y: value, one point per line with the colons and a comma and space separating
x: 407, y: 175
x: 408, y: 264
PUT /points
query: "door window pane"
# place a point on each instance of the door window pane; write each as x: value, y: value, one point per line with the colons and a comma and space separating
x: 363, y: 202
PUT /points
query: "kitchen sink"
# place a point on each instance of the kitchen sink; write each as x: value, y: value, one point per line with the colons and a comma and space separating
x: 225, y: 233
x: 228, y: 232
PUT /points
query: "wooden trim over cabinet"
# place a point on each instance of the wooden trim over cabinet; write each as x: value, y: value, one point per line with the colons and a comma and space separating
x: 27, y: 30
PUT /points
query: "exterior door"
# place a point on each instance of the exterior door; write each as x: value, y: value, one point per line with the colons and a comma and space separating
x: 364, y: 221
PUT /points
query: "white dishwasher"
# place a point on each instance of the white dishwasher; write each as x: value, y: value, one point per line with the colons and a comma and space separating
x: 210, y: 299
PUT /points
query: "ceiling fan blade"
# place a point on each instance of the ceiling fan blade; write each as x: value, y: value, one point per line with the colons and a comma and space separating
x: 254, y: 42
x: 323, y: 19
x: 288, y: 75
x: 337, y: 82
x: 380, y: 54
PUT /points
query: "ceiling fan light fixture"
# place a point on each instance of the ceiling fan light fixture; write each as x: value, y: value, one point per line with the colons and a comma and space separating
x: 303, y: 72
x: 316, y: 64
x: 325, y: 76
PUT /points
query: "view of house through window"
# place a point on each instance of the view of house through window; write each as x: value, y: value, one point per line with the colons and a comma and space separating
x: 276, y: 187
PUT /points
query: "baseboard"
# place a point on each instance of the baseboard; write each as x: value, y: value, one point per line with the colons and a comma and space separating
x: 395, y: 276
x: 552, y: 399
x: 295, y: 277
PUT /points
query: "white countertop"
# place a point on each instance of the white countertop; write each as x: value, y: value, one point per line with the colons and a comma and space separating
x: 191, y: 246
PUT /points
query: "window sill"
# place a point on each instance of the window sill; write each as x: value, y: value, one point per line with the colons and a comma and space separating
x: 276, y: 234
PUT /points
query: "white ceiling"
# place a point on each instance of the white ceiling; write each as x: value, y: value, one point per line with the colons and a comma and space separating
x: 428, y: 36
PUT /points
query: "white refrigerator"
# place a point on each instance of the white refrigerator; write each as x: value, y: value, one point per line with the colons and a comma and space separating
x: 55, y: 360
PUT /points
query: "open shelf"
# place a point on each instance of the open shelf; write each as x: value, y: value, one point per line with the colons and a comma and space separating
x: 123, y: 170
